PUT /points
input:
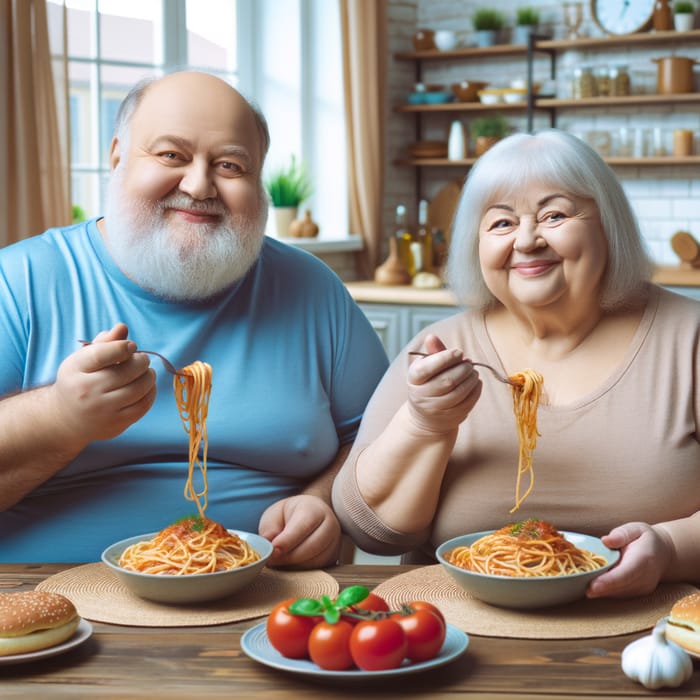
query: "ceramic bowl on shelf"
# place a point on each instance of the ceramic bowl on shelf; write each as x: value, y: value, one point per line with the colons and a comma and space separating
x: 445, y: 40
x: 490, y: 96
x: 512, y: 96
x: 438, y: 98
x: 428, y: 149
x: 424, y: 40
x: 468, y: 90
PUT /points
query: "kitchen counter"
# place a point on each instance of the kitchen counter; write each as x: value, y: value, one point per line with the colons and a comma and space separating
x: 370, y: 292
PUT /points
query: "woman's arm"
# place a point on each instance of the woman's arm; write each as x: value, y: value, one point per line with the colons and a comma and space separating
x: 400, y: 467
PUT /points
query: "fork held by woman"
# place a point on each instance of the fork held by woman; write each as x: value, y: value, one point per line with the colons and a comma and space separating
x: 496, y: 373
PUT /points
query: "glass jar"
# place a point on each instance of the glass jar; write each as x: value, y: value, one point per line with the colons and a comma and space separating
x: 619, y: 81
x: 602, y: 81
x: 584, y: 83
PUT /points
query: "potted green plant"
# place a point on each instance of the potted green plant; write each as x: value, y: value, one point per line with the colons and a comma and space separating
x: 488, y: 130
x: 287, y: 188
x: 526, y: 20
x: 683, y: 16
x: 487, y: 22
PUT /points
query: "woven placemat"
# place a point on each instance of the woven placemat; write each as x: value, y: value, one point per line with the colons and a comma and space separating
x: 600, y: 617
x: 98, y: 595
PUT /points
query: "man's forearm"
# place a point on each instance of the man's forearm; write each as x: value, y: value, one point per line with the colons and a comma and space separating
x: 31, y: 446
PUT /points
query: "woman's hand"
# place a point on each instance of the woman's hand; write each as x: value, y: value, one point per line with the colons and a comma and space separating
x: 442, y: 388
x: 303, y: 530
x: 101, y: 389
x: 646, y: 553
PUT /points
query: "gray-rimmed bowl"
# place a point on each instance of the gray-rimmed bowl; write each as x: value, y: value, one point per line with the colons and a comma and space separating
x: 192, y: 588
x: 526, y: 592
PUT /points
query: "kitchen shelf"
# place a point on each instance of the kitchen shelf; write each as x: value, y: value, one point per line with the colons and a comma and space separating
x: 635, y: 40
x: 551, y: 48
x: 555, y: 103
x: 613, y: 160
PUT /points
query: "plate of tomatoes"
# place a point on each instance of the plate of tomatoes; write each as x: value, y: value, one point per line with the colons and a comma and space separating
x: 355, y: 636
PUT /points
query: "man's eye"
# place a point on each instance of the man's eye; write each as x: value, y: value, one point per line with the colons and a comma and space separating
x: 231, y: 168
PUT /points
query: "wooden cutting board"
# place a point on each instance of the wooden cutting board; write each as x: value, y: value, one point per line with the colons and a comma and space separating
x: 442, y: 207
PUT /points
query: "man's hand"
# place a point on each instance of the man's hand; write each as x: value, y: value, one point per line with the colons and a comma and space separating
x: 103, y: 388
x: 303, y: 530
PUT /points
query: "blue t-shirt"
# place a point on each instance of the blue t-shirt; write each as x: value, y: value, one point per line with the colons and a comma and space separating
x: 294, y: 362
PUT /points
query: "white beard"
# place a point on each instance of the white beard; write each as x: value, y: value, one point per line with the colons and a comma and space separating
x: 191, y: 264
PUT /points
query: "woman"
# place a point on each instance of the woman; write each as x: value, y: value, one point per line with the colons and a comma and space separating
x: 547, y: 254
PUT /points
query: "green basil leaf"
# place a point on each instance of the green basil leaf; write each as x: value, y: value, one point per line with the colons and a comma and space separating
x: 351, y: 595
x: 306, y: 606
x: 332, y: 615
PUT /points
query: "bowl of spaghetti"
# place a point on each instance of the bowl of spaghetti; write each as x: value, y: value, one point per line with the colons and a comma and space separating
x: 528, y: 564
x: 194, y: 560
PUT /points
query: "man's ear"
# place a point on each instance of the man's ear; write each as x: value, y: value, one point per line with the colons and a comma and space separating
x: 114, y: 153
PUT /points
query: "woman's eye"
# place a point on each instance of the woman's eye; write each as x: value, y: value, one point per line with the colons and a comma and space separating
x: 500, y: 224
x: 554, y: 216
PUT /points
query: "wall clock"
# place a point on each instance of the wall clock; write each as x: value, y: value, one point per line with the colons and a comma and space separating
x: 622, y: 16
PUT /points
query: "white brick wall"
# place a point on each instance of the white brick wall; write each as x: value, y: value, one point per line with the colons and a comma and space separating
x: 666, y: 199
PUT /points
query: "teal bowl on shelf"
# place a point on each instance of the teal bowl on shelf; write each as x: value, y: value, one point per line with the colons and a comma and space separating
x: 438, y: 98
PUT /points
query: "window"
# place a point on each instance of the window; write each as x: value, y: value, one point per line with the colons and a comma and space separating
x: 282, y: 54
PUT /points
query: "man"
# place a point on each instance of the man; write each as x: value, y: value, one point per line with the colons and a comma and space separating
x: 92, y: 449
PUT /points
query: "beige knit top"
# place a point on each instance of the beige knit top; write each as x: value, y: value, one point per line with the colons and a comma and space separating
x: 628, y: 451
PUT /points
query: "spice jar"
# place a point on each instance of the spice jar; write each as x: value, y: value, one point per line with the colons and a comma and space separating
x: 584, y: 83
x: 602, y: 81
x: 619, y: 81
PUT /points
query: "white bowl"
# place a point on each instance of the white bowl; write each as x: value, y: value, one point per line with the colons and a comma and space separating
x: 445, y: 40
x: 514, y: 96
x: 192, y: 588
x: 490, y: 97
x: 529, y: 592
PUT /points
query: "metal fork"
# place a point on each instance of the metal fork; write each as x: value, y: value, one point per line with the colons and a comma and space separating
x: 496, y: 373
x: 166, y: 363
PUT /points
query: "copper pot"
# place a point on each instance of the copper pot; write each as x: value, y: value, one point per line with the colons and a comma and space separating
x: 674, y: 75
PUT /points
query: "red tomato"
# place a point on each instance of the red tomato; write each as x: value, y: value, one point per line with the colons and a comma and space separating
x: 329, y: 645
x: 373, y: 602
x: 424, y: 605
x: 425, y: 633
x: 376, y: 645
x: 289, y: 633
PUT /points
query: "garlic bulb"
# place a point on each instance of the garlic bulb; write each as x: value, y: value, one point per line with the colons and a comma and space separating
x: 656, y: 662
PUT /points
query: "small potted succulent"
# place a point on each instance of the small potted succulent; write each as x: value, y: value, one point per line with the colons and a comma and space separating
x: 683, y: 16
x: 287, y: 188
x: 486, y: 131
x: 526, y: 20
x: 488, y: 23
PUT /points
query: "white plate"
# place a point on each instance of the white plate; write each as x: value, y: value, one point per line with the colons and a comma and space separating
x: 82, y: 633
x: 256, y: 645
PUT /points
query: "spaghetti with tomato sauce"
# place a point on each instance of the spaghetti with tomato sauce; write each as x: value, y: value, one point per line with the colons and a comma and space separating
x: 194, y: 544
x: 525, y: 549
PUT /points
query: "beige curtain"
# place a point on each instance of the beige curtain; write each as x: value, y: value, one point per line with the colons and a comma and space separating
x: 34, y: 174
x: 363, y: 25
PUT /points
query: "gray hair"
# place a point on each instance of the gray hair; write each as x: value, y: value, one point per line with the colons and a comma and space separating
x: 133, y: 99
x: 549, y: 156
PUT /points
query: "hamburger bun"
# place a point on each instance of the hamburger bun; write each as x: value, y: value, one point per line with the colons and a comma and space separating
x: 683, y: 626
x: 33, y: 620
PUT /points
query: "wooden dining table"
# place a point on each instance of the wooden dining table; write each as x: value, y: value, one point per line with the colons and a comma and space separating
x: 198, y: 663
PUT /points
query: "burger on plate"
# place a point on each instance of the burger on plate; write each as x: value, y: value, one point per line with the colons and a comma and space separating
x: 33, y: 620
x: 683, y: 626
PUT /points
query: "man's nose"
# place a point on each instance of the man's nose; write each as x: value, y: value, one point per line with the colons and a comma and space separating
x: 197, y: 181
